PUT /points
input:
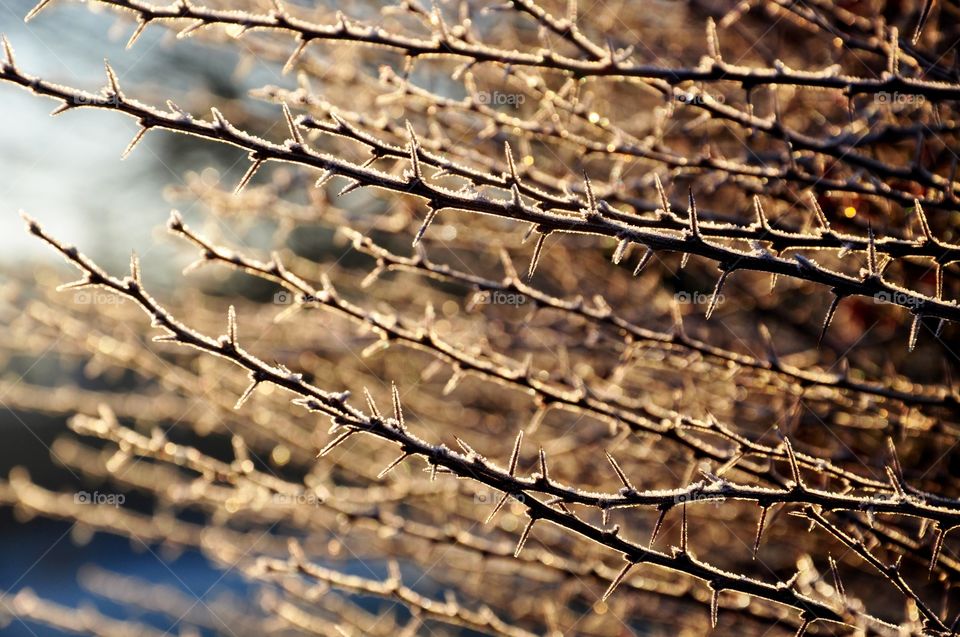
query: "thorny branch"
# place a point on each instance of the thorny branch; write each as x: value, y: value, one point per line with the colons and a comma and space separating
x: 643, y: 418
x: 592, y: 221
x: 348, y: 421
x: 759, y: 142
x: 613, y: 64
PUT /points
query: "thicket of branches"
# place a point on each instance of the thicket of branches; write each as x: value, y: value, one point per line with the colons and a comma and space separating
x: 673, y: 347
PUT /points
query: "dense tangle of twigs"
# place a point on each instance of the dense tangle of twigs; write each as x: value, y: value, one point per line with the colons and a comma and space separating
x: 597, y: 459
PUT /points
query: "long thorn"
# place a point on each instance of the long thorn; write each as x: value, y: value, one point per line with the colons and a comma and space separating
x: 617, y: 580
x: 523, y: 537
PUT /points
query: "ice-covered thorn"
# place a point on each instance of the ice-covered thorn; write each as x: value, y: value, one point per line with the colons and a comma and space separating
x: 543, y: 465
x: 894, y: 459
x: 794, y: 465
x: 684, y: 536
x: 715, y: 297
x: 914, y: 332
x: 511, y: 165
x: 661, y: 193
x: 496, y: 509
x: 831, y: 311
x: 818, y: 212
x: 644, y: 260
x: 254, y: 381
x: 515, y: 200
x: 335, y: 442
x: 714, y: 599
x: 592, y: 208
x: 620, y: 250
x: 937, y: 546
x: 620, y: 474
x: 397, y: 408
x: 219, y: 121
x: 792, y: 581
x: 63, y: 108
x: 515, y: 454
x: 692, y: 216
x: 403, y: 456
x: 325, y: 176
x: 431, y: 215
x: 174, y: 108
x: 169, y: 337
x: 837, y: 584
x: 760, y: 524
x: 414, y: 153
x: 618, y: 579
x: 137, y: 32
x: 113, y: 82
x: 295, y: 134
x: 352, y: 185
x: 40, y: 6
x: 761, y: 215
x: 255, y: 163
x: 190, y: 28
x: 895, y: 482
x: 922, y: 217
x: 523, y: 537
x: 232, y: 325
x: 9, y: 60
x: 873, y: 266
x: 535, y: 259
x: 80, y: 283
x: 133, y: 142
x: 295, y: 56
x: 135, y: 268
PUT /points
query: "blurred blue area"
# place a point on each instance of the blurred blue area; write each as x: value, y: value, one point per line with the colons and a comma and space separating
x: 67, y: 172
x: 43, y: 555
x: 48, y: 561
